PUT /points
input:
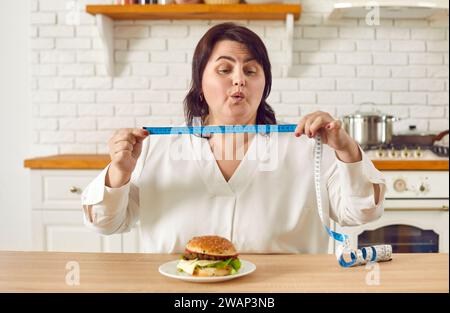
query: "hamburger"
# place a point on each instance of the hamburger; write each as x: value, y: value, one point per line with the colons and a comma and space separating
x: 209, y: 256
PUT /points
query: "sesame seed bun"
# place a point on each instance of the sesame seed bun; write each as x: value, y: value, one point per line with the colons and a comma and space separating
x: 212, y: 245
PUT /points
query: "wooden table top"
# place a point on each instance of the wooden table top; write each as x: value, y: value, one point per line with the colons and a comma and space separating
x: 138, y: 272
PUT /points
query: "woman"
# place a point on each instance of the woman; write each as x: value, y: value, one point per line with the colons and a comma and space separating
x: 256, y: 190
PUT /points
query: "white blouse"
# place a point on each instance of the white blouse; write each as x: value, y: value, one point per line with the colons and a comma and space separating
x: 177, y: 191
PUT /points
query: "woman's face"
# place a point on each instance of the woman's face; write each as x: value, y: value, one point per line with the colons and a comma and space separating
x: 232, y: 84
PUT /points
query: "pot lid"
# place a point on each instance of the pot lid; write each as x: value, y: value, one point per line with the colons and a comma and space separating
x: 371, y: 114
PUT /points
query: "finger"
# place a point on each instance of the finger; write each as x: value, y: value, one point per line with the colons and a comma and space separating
x: 300, y: 126
x: 308, y: 123
x: 124, y: 154
x: 140, y: 133
x: 129, y: 134
x: 125, y: 137
x: 336, y: 124
x: 122, y: 132
x: 316, y: 124
x: 122, y: 145
x: 137, y: 150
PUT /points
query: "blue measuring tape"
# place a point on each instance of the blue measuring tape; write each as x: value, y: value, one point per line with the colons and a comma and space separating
x: 227, y: 129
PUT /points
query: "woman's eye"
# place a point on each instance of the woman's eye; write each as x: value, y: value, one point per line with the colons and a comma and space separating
x: 227, y: 71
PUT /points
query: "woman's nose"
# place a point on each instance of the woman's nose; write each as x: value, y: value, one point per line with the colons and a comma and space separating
x: 238, y: 79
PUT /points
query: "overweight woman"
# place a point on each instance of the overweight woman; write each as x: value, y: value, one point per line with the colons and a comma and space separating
x: 255, y: 189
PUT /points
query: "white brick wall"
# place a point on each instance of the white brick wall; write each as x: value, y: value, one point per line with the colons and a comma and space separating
x: 401, y: 66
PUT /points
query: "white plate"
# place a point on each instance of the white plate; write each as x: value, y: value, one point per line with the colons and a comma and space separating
x: 169, y: 269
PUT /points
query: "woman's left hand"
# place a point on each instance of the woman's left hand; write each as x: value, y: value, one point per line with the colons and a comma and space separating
x: 332, y: 134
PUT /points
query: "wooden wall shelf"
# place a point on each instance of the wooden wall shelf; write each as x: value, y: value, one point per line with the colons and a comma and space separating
x: 105, y: 14
x: 197, y: 11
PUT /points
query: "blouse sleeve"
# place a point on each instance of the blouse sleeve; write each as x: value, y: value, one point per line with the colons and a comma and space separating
x: 113, y: 210
x: 351, y: 191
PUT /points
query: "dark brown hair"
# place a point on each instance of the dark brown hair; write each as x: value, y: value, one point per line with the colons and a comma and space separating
x: 194, y: 103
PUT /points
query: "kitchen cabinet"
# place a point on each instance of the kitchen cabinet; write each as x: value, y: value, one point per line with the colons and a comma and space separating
x: 105, y: 14
x: 57, y: 218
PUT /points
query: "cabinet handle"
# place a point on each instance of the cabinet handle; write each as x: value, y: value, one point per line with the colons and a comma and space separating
x: 74, y: 189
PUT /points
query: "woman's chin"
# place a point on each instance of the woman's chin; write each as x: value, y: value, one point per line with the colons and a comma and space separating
x: 238, y: 115
x: 238, y: 120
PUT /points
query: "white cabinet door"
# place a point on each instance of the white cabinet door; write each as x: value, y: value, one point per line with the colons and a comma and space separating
x: 64, y: 231
x: 131, y: 241
x: 57, y: 215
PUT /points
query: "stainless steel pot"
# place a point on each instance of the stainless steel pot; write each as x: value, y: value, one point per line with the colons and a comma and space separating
x: 369, y: 128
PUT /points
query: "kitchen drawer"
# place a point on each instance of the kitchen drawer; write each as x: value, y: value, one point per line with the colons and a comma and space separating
x: 64, y: 231
x: 59, y: 189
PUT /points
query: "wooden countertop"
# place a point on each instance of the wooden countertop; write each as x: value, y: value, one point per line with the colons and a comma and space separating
x: 100, y: 161
x: 69, y: 161
x: 110, y: 272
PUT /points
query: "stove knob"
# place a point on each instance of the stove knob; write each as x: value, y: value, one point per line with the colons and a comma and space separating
x: 418, y: 152
x: 423, y: 188
x: 380, y: 153
x: 400, y: 185
x: 393, y: 153
x: 405, y: 153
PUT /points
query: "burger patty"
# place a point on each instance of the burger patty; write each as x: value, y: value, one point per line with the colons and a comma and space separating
x: 189, y: 255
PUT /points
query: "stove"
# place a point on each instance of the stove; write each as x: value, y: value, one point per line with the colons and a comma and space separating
x: 416, y: 209
x: 406, y: 152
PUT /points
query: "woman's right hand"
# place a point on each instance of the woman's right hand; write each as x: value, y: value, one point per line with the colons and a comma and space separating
x: 125, y: 146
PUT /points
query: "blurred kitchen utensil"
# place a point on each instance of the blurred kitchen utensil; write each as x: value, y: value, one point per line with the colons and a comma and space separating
x: 412, y: 136
x: 369, y: 128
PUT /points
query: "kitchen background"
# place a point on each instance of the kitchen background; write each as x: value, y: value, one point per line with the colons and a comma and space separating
x: 56, y: 96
